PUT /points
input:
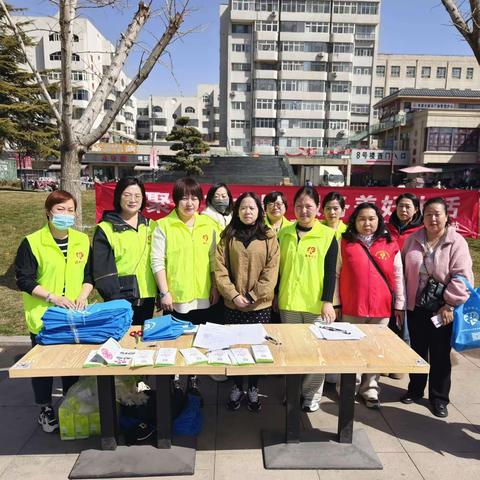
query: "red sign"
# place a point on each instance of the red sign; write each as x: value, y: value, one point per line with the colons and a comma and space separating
x: 463, y: 205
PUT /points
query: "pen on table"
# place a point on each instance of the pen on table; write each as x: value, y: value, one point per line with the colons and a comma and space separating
x: 271, y: 339
x: 218, y: 349
x: 333, y: 329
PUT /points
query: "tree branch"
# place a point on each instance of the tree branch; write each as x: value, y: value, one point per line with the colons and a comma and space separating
x: 111, y: 76
x: 35, y: 72
x: 174, y: 24
x: 456, y: 16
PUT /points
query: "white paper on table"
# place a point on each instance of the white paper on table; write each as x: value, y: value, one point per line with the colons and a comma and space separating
x: 250, y: 334
x: 143, y: 358
x: 165, y: 357
x: 212, y: 337
x: 94, y: 360
x: 110, y: 349
x: 336, y: 331
x: 122, y: 358
x: 242, y: 356
x: 193, y: 356
x: 219, y: 357
x: 262, y: 354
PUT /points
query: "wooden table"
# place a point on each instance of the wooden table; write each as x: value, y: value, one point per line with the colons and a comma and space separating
x: 299, y: 353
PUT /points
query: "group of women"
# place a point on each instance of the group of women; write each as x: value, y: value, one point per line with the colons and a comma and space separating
x: 245, y: 262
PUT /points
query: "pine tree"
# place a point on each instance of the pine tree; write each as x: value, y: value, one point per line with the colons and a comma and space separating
x: 25, y: 117
x: 188, y: 145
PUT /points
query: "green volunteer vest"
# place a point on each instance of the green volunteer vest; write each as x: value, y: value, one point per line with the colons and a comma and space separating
x: 342, y: 228
x: 187, y: 261
x: 131, y: 249
x: 285, y: 223
x: 302, y: 268
x: 55, y: 273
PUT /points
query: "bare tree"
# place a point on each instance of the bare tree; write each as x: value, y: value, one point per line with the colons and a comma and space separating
x: 465, y: 16
x: 77, y: 137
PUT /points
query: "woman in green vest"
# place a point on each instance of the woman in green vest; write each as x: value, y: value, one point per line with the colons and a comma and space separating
x: 308, y: 257
x: 219, y: 206
x: 275, y: 205
x: 53, y: 268
x: 183, y: 258
x: 121, y: 251
x: 333, y: 209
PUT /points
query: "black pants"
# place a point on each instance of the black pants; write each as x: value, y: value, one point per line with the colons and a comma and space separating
x: 197, y: 317
x: 144, y: 311
x: 42, y: 386
x: 433, y: 345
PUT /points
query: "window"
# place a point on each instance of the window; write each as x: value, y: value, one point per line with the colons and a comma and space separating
x: 262, y: 26
x: 360, y: 109
x: 379, y: 92
x: 293, y: 27
x: 54, y: 75
x: 75, y: 57
x: 189, y: 110
x: 108, y: 104
x: 358, y: 126
x: 469, y: 73
x: 80, y: 94
x: 77, y: 113
x: 240, y: 123
x: 264, y: 104
x: 157, y: 109
x: 296, y: 65
x: 337, y: 124
x: 426, y: 72
x: 243, y: 5
x: 266, y: 5
x: 364, y: 52
x: 161, y: 122
x: 316, y: 27
x: 453, y: 139
x: 240, y: 47
x: 54, y: 37
x: 310, y: 6
x: 441, y: 72
x: 142, y: 112
x: 343, y: 28
x: 128, y: 116
x: 56, y: 56
x: 241, y: 67
x: 341, y: 67
x: 343, y: 87
x: 265, y: 84
x: 266, y: 46
x: 302, y: 86
x: 380, y: 70
x: 239, y: 142
x: 359, y: 8
x: 240, y: 28
x: 263, y: 141
x: 456, y: 72
x: 264, y: 122
x: 393, y: 90
x: 362, y: 90
x: 411, y: 72
x: 339, y: 107
x: 364, y: 32
x: 78, y: 76
x: 240, y: 87
x: 312, y: 105
x: 395, y: 71
x: 239, y: 105
x: 342, y: 47
x: 362, y: 70
x: 265, y: 66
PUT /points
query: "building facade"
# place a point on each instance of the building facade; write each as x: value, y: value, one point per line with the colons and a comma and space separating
x: 295, y: 74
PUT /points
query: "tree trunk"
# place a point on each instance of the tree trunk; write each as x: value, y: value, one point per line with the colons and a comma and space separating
x: 70, y: 178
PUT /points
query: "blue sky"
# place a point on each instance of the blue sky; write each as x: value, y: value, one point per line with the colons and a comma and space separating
x: 407, y: 26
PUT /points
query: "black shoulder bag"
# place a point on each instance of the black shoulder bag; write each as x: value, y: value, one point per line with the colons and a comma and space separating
x: 431, y: 298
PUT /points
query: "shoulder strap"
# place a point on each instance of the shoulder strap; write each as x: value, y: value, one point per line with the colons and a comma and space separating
x: 377, y: 267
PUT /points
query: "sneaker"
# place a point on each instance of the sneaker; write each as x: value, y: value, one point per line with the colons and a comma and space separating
x: 236, y: 396
x: 143, y: 431
x: 193, y: 388
x: 47, y: 419
x: 253, y: 404
x: 310, y: 406
x: 371, y: 402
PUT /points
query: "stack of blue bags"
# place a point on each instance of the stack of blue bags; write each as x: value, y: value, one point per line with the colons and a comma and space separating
x: 96, y: 324
x: 165, y: 327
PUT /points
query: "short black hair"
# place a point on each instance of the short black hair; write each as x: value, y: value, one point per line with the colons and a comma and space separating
x: 309, y: 192
x: 184, y: 187
x: 124, y: 183
x: 211, y: 193
x: 417, y: 218
x: 351, y: 234
x: 272, y: 197
x: 331, y: 196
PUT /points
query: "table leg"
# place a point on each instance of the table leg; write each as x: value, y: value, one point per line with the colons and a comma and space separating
x: 108, y: 412
x: 346, y: 407
x: 163, y: 411
x: 292, y: 416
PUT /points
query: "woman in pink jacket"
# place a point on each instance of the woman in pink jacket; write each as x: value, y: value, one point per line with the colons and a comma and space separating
x: 435, y: 252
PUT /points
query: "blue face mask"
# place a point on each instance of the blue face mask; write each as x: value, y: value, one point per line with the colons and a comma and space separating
x: 62, y: 221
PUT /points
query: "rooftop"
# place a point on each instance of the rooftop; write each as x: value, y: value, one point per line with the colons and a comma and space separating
x: 433, y: 93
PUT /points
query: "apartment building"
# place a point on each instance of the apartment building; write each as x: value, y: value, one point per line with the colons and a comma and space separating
x: 295, y: 74
x: 394, y: 72
x: 92, y: 53
x: 156, y: 115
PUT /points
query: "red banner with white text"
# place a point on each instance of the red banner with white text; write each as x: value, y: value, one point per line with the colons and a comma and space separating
x: 463, y: 205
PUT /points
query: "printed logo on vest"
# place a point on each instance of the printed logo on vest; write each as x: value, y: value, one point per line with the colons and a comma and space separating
x: 471, y: 317
x: 205, y: 239
x: 311, y: 251
x: 79, y: 257
x: 382, y: 255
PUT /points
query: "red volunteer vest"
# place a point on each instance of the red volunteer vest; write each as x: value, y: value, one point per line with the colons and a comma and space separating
x: 401, y: 238
x: 363, y: 292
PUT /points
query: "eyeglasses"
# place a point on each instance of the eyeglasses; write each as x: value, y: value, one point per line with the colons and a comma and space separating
x: 275, y: 204
x: 136, y: 196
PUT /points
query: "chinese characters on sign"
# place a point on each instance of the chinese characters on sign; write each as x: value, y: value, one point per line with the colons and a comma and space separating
x: 379, y: 157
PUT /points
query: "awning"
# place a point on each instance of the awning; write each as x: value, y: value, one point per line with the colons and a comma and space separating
x: 420, y: 169
x: 57, y: 166
x: 141, y: 168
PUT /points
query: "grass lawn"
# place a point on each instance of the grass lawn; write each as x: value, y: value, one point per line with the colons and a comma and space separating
x: 22, y: 213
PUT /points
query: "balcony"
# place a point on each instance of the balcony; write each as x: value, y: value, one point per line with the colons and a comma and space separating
x: 266, y: 56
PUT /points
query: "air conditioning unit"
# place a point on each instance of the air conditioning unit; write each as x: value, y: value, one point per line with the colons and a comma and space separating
x: 320, y: 55
x: 273, y: 15
x: 283, y: 131
x: 334, y: 75
x: 232, y: 94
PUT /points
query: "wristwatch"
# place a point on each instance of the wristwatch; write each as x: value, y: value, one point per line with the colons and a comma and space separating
x: 164, y: 294
x: 450, y: 307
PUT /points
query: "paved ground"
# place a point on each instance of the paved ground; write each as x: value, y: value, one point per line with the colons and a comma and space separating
x: 411, y: 443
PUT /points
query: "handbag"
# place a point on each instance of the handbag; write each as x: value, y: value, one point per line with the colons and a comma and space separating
x: 431, y: 298
x: 466, y: 321
x: 129, y: 287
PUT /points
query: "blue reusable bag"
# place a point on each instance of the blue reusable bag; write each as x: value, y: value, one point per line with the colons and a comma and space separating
x: 466, y: 321
x: 165, y: 327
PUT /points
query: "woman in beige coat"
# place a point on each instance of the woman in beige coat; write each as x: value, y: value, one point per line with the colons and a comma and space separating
x: 246, y: 273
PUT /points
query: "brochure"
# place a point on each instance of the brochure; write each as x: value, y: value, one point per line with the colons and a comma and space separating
x: 113, y: 353
x: 94, y: 360
x: 193, y: 356
x: 336, y: 331
x: 143, y: 358
x: 262, y: 354
x: 242, y: 356
x: 219, y: 357
x: 165, y: 357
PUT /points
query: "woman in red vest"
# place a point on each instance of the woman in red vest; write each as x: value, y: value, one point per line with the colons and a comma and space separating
x: 370, y: 273
x: 406, y: 219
